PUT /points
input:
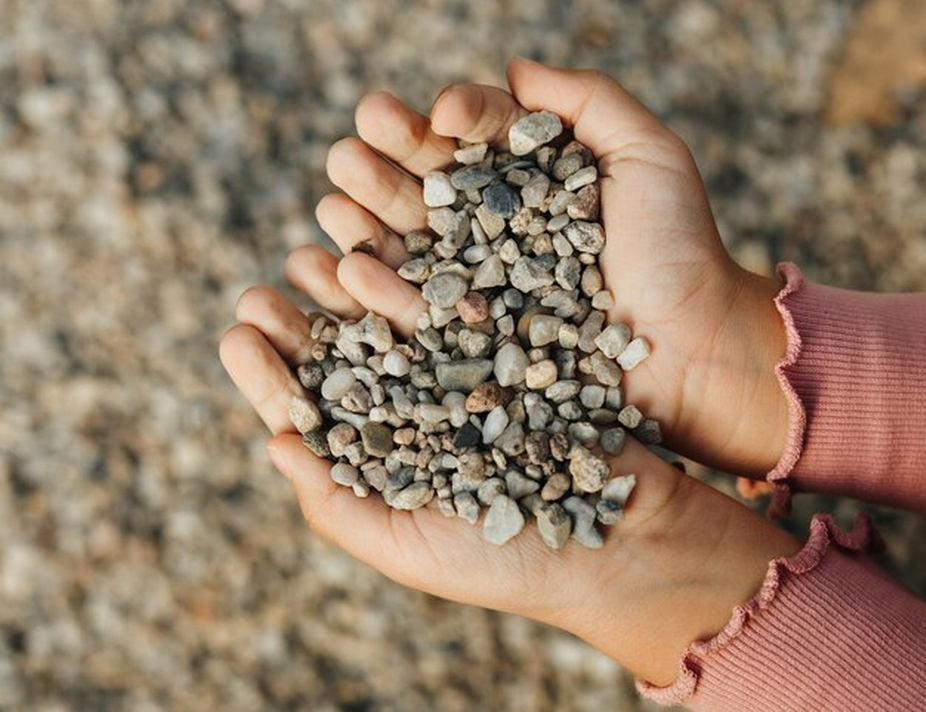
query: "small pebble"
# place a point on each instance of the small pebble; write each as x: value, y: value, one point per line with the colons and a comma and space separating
x: 587, y: 469
x: 304, y: 415
x: 532, y: 131
x: 444, y: 289
x: 377, y: 439
x: 581, y: 178
x: 413, y: 496
x: 473, y: 308
x: 613, y: 340
x: 540, y: 375
x: 634, y: 354
x: 618, y: 489
x: 464, y: 375
x: 396, y: 364
x: 344, y: 474
x: 471, y: 154
x: 544, y: 329
x: 336, y: 386
x: 510, y: 365
x: 585, y: 236
x: 630, y: 417
x: 495, y: 423
x: 612, y: 440
x: 438, y: 190
x: 501, y: 200
x: 554, y: 525
x: 503, y: 521
x: 486, y: 396
x: 466, y: 507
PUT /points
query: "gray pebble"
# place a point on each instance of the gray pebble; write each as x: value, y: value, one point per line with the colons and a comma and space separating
x: 518, y: 485
x: 474, y: 177
x: 648, y: 432
x: 584, y: 515
x: 532, y: 131
x: 613, y: 340
x: 510, y: 365
x: 544, y: 329
x: 528, y: 274
x: 466, y: 507
x: 304, y: 415
x: 566, y: 165
x: 377, y: 439
x: 503, y: 521
x: 317, y: 442
x: 618, y: 489
x: 490, y: 273
x: 612, y: 440
x: 585, y: 236
x: 592, y: 396
x: 581, y: 178
x: 630, y: 417
x: 471, y: 154
x: 344, y: 474
x: 413, y: 496
x: 495, y: 423
x: 554, y: 525
x: 609, y: 512
x: 636, y: 352
x: 501, y: 200
x: 489, y: 489
x: 336, y: 386
x: 396, y: 364
x: 463, y: 375
x: 444, y: 289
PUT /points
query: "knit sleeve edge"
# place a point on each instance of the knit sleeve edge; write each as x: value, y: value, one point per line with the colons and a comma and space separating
x: 797, y: 418
x: 823, y: 532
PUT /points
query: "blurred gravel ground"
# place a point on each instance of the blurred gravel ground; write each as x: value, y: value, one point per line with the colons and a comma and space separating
x: 158, y: 156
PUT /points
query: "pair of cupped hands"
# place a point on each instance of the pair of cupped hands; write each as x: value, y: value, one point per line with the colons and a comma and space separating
x: 685, y: 555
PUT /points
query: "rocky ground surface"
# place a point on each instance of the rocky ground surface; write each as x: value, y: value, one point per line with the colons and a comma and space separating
x: 158, y: 156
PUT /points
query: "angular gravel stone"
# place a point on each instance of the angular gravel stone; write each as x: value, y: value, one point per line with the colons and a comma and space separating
x: 535, y: 191
x: 501, y: 200
x: 503, y: 521
x: 438, y: 190
x: 618, y: 489
x: 568, y: 272
x: 473, y: 308
x: 585, y: 236
x: 317, y: 442
x: 556, y: 486
x: 491, y: 273
x: 518, y: 485
x: 613, y: 340
x: 540, y: 375
x: 532, y: 131
x: 463, y: 375
x: 473, y: 177
x: 510, y: 365
x: 418, y: 242
x: 469, y: 155
x: 486, y: 396
x: 377, y: 439
x: 635, y: 353
x: 589, y: 331
x: 544, y: 329
x: 588, y: 470
x: 603, y: 300
x: 444, y: 289
x: 554, y: 525
x: 648, y: 432
x: 583, y: 528
x: 566, y: 166
x: 495, y: 423
x: 609, y: 512
x: 304, y: 415
x: 528, y: 274
x: 466, y: 507
x: 586, y: 205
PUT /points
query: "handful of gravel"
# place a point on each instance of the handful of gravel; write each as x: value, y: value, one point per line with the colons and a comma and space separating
x: 510, y: 389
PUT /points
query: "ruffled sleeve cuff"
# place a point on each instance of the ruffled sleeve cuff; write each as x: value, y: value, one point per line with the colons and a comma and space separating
x: 827, y: 630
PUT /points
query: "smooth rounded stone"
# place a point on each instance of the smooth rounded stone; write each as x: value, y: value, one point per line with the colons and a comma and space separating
x: 431, y: 413
x: 503, y: 521
x: 444, y: 289
x: 304, y: 415
x: 377, y: 439
x: 510, y: 365
x: 501, y: 200
x: 511, y: 441
x: 463, y: 375
x: 614, y: 398
x: 467, y: 436
x: 618, y: 489
x: 475, y: 254
x: 648, y: 432
x: 581, y: 178
x: 603, y: 300
x: 495, y: 423
x: 517, y: 177
x: 592, y: 282
x: 556, y: 486
x: 562, y: 391
x: 606, y: 372
x: 559, y: 446
x: 583, y: 515
x: 609, y: 512
x: 472, y: 177
x: 635, y: 353
x: 613, y: 340
x: 375, y: 475
x: 396, y: 363
x: 554, y: 525
x: 311, y: 376
x: 518, y: 485
x: 442, y: 220
x: 566, y: 166
x: 583, y: 433
x: 561, y: 246
x: 513, y: 299
x: 540, y: 375
x: 489, y: 489
x: 474, y: 344
x: 592, y: 396
x: 339, y: 437
x: 568, y: 272
x: 456, y: 402
x: 539, y: 415
x: 586, y: 237
x: 544, y: 329
x: 490, y: 273
x: 414, y: 496
x: 379, y: 414
x: 505, y: 325
x: 528, y: 274
x: 560, y: 202
x: 344, y: 474
x: 535, y: 191
x: 466, y: 507
x: 630, y: 417
x: 415, y: 271
x: 487, y: 396
x: 430, y: 338
x: 588, y: 470
x: 570, y: 410
x: 338, y: 383
x: 355, y: 454
x: 418, y: 242
x: 468, y: 155
x: 473, y: 308
x: 612, y: 440
x: 438, y: 190
x: 532, y: 131
x: 317, y: 442
x: 587, y: 204
x: 589, y: 331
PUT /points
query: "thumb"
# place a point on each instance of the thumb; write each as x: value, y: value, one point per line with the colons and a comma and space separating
x: 604, y: 116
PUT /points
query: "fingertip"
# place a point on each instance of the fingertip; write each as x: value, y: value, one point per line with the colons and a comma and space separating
x: 369, y: 112
x: 253, y: 301
x: 234, y: 338
x: 455, y: 111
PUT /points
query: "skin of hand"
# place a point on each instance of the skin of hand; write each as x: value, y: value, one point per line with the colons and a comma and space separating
x: 685, y: 555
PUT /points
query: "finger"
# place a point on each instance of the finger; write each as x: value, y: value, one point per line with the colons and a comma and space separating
x: 281, y: 323
x: 475, y: 113
x: 381, y: 290
x: 261, y: 375
x: 402, y: 135
x: 350, y: 225
x: 377, y: 185
x: 603, y: 115
x: 314, y: 270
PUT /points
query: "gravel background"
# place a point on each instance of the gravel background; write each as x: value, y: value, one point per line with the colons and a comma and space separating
x: 158, y: 156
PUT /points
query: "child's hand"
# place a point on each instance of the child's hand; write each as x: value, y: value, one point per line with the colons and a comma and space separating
x: 685, y: 555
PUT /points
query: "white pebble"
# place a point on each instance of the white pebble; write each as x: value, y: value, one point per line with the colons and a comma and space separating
x: 336, y: 386
x: 495, y: 423
x: 635, y: 353
x: 396, y: 364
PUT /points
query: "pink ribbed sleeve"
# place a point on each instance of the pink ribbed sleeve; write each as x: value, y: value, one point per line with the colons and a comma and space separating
x: 855, y: 376
x: 829, y: 630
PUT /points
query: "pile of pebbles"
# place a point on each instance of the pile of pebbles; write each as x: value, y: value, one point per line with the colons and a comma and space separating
x: 508, y: 398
